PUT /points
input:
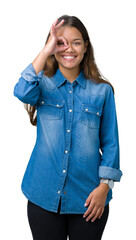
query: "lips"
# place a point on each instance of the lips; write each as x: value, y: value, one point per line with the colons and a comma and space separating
x: 68, y: 57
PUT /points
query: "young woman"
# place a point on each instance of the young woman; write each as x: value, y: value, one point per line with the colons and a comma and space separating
x: 75, y: 161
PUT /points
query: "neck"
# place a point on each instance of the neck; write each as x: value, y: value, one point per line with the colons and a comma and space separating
x: 70, y: 74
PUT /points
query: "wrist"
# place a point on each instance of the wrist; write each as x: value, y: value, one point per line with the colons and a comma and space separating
x: 40, y: 61
x: 109, y: 182
x: 45, y: 52
x: 104, y: 187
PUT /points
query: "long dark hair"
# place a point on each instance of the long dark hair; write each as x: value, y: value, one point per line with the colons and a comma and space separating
x: 88, y: 64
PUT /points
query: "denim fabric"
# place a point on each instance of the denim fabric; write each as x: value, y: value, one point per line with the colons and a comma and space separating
x: 77, y: 139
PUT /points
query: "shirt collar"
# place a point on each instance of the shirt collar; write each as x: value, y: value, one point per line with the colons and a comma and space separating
x: 60, y: 79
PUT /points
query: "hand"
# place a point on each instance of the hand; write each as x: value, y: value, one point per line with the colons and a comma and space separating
x: 97, y: 200
x: 55, y: 44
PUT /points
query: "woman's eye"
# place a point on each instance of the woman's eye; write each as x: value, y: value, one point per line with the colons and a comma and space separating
x: 76, y: 43
x: 60, y: 43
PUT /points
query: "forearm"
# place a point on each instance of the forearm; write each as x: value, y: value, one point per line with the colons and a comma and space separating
x: 40, y: 60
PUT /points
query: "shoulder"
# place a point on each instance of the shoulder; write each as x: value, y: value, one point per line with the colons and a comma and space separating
x: 47, y: 82
x: 99, y: 88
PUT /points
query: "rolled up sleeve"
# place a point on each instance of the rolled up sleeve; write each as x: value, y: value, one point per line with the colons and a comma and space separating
x: 27, y: 88
x: 109, y: 140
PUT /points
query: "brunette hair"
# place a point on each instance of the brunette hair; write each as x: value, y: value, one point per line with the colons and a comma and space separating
x: 88, y: 64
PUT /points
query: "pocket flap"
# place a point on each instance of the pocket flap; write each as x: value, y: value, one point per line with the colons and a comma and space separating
x: 51, y: 102
x: 91, y: 109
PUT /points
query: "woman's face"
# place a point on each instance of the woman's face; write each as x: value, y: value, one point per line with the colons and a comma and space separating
x: 73, y: 55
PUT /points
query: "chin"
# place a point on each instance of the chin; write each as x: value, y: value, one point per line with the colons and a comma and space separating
x: 69, y: 67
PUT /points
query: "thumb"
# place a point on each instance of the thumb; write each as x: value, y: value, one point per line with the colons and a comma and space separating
x: 88, y: 200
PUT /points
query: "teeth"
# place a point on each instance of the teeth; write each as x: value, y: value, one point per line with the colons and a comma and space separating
x: 69, y: 57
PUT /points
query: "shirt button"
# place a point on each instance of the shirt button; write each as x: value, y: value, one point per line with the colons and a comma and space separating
x: 57, y: 105
x: 64, y: 171
x: 42, y: 102
x: 58, y: 191
x: 97, y: 113
x: 70, y: 91
x: 70, y: 110
x: 68, y: 130
x: 86, y: 109
x: 66, y: 151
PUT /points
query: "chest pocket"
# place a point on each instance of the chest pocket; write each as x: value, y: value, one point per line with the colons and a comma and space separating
x: 90, y: 116
x: 50, y: 109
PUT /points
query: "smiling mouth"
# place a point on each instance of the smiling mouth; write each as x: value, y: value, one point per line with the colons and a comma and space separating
x: 68, y: 57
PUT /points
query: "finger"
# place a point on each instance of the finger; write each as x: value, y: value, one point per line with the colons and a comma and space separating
x: 101, y: 213
x: 55, y: 22
x: 89, y: 199
x: 59, y: 24
x: 93, y: 213
x: 60, y: 48
x: 90, y: 209
x: 96, y: 215
x: 62, y: 40
x: 56, y: 26
x: 52, y: 29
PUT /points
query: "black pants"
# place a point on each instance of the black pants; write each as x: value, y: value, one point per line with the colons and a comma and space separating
x: 46, y: 225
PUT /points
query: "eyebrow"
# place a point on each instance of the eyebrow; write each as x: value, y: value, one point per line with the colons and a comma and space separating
x: 77, y: 39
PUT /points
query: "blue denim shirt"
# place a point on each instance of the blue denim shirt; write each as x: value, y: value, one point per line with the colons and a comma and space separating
x: 77, y: 139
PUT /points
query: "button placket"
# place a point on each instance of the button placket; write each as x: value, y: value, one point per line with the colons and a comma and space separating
x: 70, y: 117
x: 68, y: 140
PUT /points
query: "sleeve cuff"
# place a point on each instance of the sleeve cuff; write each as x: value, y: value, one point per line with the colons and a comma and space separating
x: 29, y: 74
x: 110, y: 173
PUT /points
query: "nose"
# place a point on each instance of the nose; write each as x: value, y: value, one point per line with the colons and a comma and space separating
x: 70, y: 48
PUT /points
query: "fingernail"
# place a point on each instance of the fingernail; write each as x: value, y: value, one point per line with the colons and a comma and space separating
x: 85, y: 204
x: 83, y: 216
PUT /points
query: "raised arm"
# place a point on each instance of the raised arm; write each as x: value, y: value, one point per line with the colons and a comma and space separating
x: 27, y: 88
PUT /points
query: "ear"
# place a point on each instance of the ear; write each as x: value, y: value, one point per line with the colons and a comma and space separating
x: 86, y: 45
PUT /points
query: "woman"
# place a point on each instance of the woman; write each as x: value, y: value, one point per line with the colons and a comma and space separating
x: 75, y: 161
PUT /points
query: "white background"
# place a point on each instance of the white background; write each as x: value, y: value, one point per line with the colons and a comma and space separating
x: 24, y: 27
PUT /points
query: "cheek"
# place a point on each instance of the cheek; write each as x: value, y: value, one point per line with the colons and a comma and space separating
x: 57, y: 56
x: 81, y: 51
